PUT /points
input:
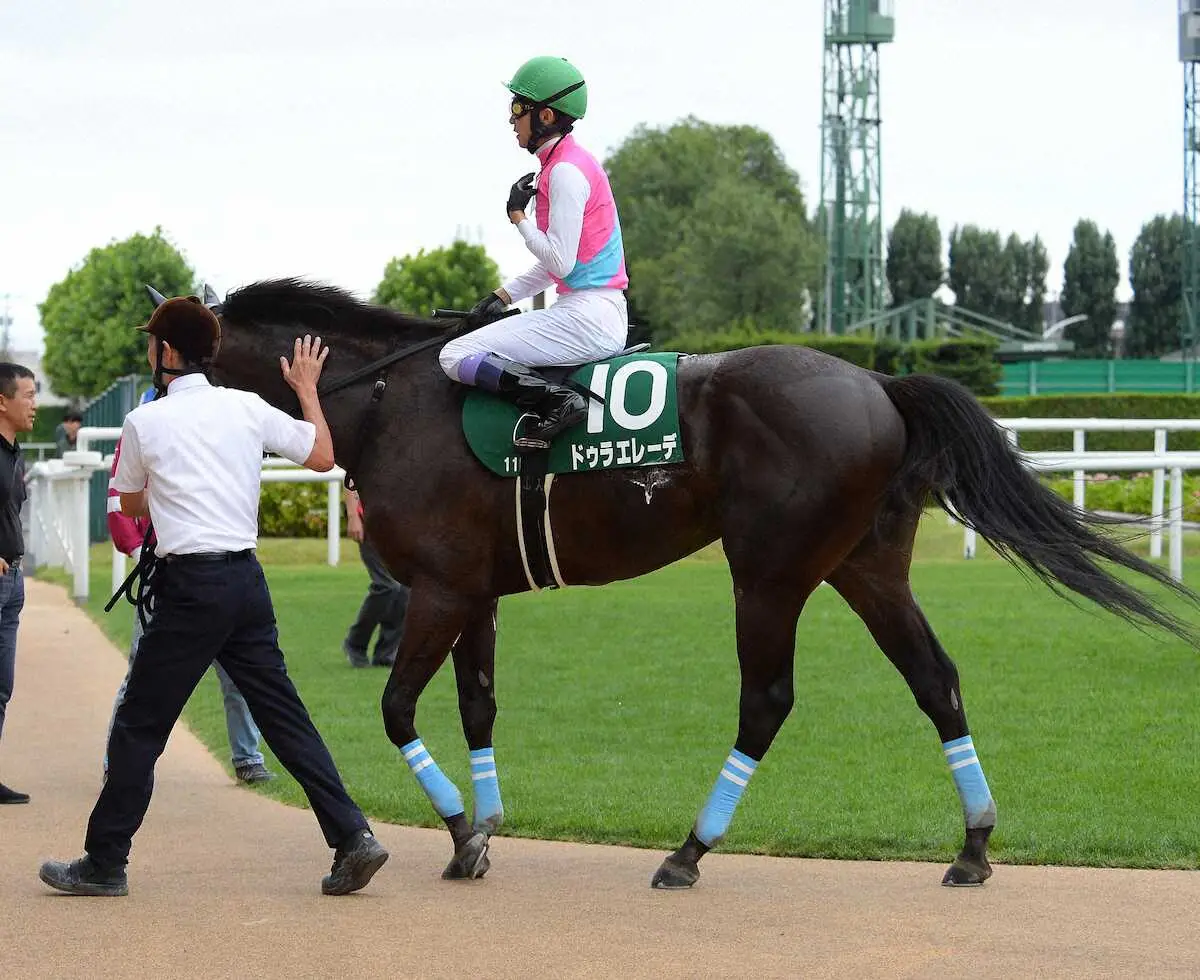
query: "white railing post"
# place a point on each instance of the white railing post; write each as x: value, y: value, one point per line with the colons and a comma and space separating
x: 118, y: 570
x: 1080, y: 446
x: 80, y: 533
x: 1177, y: 523
x: 1156, y: 499
x: 333, y: 552
x: 36, y: 549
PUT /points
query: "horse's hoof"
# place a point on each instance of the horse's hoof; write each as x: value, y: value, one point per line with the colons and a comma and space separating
x: 675, y: 874
x: 963, y: 874
x: 469, y: 861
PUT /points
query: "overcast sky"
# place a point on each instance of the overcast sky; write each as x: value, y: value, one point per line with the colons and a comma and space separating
x: 320, y: 139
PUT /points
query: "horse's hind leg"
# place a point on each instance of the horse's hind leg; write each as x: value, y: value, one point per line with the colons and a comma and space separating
x: 874, y: 581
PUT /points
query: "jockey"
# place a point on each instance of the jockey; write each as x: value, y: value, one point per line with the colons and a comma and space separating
x: 576, y: 240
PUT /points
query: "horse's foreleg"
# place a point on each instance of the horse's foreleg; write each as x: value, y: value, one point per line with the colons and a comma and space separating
x: 766, y: 642
x: 432, y: 623
x: 474, y: 657
x: 880, y: 594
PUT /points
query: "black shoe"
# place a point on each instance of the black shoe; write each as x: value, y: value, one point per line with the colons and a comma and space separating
x: 556, y: 406
x: 254, y: 772
x: 82, y: 877
x: 559, y: 410
x: 354, y: 864
x: 12, y: 796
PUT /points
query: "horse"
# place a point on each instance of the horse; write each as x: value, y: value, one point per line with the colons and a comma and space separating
x: 806, y: 468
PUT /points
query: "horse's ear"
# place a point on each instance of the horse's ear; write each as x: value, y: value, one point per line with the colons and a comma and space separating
x: 211, y: 299
x: 155, y: 295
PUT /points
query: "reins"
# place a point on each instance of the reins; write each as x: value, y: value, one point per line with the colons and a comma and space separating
x: 379, y: 368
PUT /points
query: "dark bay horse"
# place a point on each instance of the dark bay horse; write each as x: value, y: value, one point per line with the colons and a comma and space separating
x: 805, y: 467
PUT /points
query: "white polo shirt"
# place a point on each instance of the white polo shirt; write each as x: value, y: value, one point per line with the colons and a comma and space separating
x: 199, y: 454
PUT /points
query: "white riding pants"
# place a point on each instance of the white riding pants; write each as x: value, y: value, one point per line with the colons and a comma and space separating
x: 582, y: 326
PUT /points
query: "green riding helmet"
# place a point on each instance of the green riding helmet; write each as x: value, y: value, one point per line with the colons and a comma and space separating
x: 542, y: 78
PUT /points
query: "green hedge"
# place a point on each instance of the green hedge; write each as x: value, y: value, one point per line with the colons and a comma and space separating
x: 856, y: 350
x: 294, y: 510
x: 1124, y: 405
x: 971, y: 361
x: 968, y: 360
x: 1127, y: 495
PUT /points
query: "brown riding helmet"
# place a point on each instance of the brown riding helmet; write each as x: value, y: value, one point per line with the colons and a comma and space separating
x: 187, y: 325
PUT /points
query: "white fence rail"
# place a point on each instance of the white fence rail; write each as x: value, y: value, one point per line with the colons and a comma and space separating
x: 59, y: 488
x: 1159, y: 461
x: 59, y: 507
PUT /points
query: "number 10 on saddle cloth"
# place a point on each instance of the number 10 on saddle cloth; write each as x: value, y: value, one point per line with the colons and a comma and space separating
x: 636, y: 425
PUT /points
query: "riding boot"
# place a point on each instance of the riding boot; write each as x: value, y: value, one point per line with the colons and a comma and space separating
x: 557, y: 406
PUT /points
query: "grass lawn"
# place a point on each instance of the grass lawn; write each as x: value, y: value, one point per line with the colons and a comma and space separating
x: 618, y: 705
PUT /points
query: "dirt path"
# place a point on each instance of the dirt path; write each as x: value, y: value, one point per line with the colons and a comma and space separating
x: 225, y: 883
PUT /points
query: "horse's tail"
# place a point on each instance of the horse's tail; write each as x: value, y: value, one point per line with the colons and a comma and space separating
x: 957, y: 454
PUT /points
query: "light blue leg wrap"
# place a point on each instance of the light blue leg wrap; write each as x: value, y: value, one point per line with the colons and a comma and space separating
x: 717, y: 814
x: 442, y: 793
x: 489, y: 811
x: 979, y: 808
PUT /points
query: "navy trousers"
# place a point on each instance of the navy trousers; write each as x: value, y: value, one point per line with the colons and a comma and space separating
x: 208, y: 610
x: 384, y: 605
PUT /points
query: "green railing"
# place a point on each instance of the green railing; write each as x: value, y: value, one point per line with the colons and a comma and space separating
x: 1097, y: 376
x: 927, y: 319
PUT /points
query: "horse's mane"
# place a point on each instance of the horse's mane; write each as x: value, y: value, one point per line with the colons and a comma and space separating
x: 318, y: 306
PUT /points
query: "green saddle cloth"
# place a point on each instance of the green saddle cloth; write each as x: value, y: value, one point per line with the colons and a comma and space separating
x: 637, y: 425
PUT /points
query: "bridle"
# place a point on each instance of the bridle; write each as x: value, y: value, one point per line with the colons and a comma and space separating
x: 379, y: 369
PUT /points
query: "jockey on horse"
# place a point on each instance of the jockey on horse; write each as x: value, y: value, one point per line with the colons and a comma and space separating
x: 576, y: 239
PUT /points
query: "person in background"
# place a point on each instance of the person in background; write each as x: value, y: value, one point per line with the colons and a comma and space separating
x: 18, y: 409
x: 67, y: 431
x: 384, y: 605
x: 127, y: 535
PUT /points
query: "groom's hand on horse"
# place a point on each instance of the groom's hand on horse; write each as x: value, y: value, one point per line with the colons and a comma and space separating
x: 302, y: 374
x: 308, y: 359
x: 519, y: 196
x: 486, y: 310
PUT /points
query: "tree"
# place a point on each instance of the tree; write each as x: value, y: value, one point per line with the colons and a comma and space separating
x: 1156, y: 275
x: 453, y: 278
x: 979, y: 273
x: 715, y: 229
x: 1090, y: 279
x: 1005, y: 280
x: 914, y: 257
x: 1037, y: 267
x: 89, y: 317
x: 1014, y: 283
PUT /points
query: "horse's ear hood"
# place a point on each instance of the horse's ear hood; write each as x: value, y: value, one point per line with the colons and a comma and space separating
x: 187, y: 325
x: 212, y: 300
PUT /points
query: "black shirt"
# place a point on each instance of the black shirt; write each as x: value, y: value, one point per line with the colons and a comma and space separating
x: 12, y: 496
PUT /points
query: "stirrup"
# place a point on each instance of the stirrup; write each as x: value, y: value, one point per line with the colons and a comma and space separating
x: 524, y: 439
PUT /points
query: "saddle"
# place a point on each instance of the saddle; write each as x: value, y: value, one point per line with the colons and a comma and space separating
x: 632, y: 421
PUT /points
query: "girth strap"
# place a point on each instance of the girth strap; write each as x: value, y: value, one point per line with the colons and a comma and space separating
x: 533, y: 522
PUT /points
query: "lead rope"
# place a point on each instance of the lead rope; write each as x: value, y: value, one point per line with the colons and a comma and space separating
x: 142, y: 577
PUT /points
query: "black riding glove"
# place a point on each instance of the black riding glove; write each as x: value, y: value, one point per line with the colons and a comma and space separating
x: 522, y: 191
x: 486, y: 310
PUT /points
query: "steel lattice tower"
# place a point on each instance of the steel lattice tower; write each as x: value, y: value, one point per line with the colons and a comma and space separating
x: 1191, y: 211
x: 851, y: 163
